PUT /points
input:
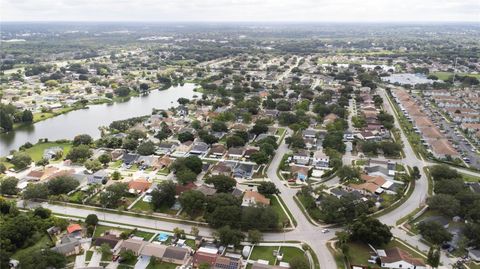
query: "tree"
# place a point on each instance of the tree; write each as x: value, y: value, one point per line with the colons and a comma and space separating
x: 260, y: 157
x: 128, y: 255
x: 183, y: 101
x: 185, y: 176
x: 194, y: 164
x: 235, y: 141
x: 116, y: 175
x: 185, y: 136
x: 219, y: 126
x: 370, y: 231
x: 295, y: 142
x: 390, y: 148
x: 27, y: 116
x: 267, y: 188
x: 449, y: 186
x: 259, y: 128
x: 6, y: 121
x: 146, y: 148
x: 192, y: 202
x: 83, y: 139
x: 129, y: 144
x: 299, y: 263
x: 442, y: 171
x: 43, y: 213
x: 79, y: 154
x: 178, y: 233
x: 104, y: 159
x: 122, y: 91
x: 163, y: 195
x: 91, y: 219
x: 113, y: 194
x: 8, y: 186
x: 433, y: 257
x: 3, y: 168
x: 93, y: 165
x: 62, y: 185
x: 348, y: 173
x: 229, y: 236
x: 21, y: 160
x: 222, y: 183
x: 434, y: 232
x: 261, y: 218
x: 42, y: 259
x: 334, y: 140
x: 445, y: 203
x: 42, y: 162
x: 194, y: 231
x: 35, y: 191
x: 105, y: 249
x: 254, y: 236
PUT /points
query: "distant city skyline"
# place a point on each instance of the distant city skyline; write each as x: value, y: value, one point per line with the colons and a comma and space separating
x: 242, y: 10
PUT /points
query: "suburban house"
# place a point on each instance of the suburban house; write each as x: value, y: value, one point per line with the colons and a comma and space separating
x: 99, y: 177
x: 139, y: 185
x: 299, y: 172
x: 153, y: 250
x: 221, y: 169
x: 236, y: 153
x: 135, y: 245
x: 320, y: 160
x: 130, y: 158
x: 302, y: 157
x: 243, y: 171
x: 397, y: 258
x: 68, y: 246
x: 217, y: 150
x: 253, y: 198
x: 176, y: 255
x: 199, y: 148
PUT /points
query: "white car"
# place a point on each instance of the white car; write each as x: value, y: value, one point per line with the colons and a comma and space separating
x: 325, y: 231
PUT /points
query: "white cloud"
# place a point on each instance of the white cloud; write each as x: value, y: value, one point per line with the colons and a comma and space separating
x: 240, y: 10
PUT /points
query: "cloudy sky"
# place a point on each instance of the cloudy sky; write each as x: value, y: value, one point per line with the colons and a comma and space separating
x: 240, y: 10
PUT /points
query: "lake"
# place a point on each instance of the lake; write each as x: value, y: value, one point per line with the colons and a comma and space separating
x: 87, y: 121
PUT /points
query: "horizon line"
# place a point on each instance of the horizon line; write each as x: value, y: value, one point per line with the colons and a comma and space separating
x: 239, y: 21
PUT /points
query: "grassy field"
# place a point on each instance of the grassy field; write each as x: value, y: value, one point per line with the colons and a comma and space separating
x: 161, y: 265
x: 43, y: 243
x: 36, y: 152
x: 145, y: 235
x: 142, y: 206
x: 291, y: 252
x: 470, y: 178
x: 275, y: 204
x: 100, y: 229
x: 447, y: 75
x: 263, y: 253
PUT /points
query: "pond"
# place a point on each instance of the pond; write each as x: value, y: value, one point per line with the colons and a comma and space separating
x: 88, y: 121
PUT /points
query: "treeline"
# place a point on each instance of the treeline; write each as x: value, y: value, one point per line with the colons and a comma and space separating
x: 9, y: 115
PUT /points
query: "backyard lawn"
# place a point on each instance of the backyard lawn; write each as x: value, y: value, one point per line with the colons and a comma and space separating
x: 101, y: 229
x: 142, y: 206
x: 161, y: 265
x: 43, y: 243
x: 263, y: 253
x: 36, y: 152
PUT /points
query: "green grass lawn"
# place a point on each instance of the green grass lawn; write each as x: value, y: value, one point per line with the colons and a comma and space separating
x: 88, y: 255
x: 115, y: 164
x: 291, y: 252
x: 282, y: 216
x: 43, y: 243
x: 145, y: 235
x: 161, y: 265
x: 359, y: 253
x: 101, y: 229
x: 447, y: 75
x: 36, y: 152
x: 470, y: 178
x: 142, y: 206
x: 77, y: 197
x: 263, y: 253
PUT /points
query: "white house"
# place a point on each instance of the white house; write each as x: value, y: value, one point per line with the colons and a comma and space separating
x: 396, y: 258
x: 320, y: 159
